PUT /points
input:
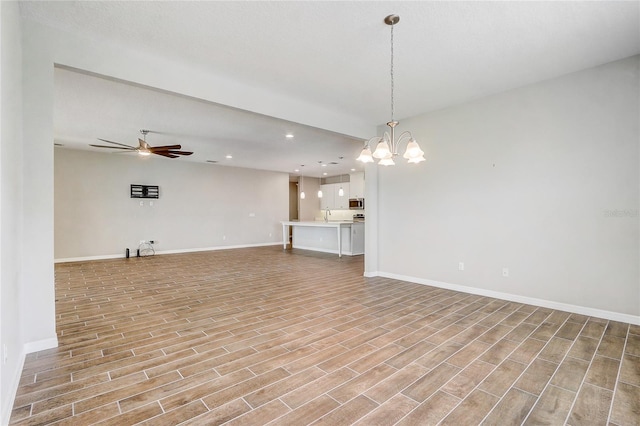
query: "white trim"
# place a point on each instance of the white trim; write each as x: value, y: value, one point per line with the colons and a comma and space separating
x: 371, y: 274
x: 583, y: 310
x: 40, y: 345
x: 86, y: 258
x: 121, y: 256
x: 332, y: 251
x: 218, y: 248
x: 27, y: 348
x: 13, y: 390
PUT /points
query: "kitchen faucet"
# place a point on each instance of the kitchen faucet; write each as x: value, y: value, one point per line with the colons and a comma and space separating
x: 327, y: 213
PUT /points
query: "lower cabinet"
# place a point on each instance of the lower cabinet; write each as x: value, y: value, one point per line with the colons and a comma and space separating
x: 357, y: 238
x: 325, y: 238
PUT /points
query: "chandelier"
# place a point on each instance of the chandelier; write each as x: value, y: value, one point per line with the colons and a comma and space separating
x: 387, y: 146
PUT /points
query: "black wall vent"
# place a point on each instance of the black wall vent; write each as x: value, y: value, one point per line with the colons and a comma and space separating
x: 145, y: 191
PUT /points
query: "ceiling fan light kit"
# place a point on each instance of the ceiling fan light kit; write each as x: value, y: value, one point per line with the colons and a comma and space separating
x: 387, y: 146
x: 144, y: 149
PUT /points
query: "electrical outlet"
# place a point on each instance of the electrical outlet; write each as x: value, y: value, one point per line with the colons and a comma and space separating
x: 505, y: 272
x: 252, y: 215
x: 461, y: 266
x: 270, y: 234
x: 5, y: 354
x: 224, y: 237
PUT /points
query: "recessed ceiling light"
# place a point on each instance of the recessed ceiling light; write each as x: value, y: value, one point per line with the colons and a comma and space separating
x: 353, y: 170
x: 212, y: 161
x: 229, y: 157
x: 288, y: 136
x: 296, y: 170
x: 324, y: 165
x: 324, y: 174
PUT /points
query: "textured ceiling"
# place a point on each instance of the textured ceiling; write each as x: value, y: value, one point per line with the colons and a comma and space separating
x: 336, y: 54
x: 87, y: 107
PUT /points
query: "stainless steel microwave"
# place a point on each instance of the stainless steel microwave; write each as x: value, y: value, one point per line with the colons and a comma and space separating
x: 356, y: 203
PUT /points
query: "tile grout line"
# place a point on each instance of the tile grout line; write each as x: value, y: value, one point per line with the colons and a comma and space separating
x: 558, y: 367
x: 615, y: 386
x: 586, y: 373
x: 475, y: 359
x: 527, y: 367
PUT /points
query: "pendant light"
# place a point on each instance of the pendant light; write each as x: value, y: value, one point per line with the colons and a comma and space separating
x: 320, y: 180
x: 302, y: 196
x: 387, y: 146
x: 340, y: 191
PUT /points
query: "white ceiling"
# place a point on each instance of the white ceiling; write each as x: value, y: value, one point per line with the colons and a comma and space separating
x: 333, y: 54
x: 87, y: 107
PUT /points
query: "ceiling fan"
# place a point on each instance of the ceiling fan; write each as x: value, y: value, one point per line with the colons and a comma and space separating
x: 170, y: 151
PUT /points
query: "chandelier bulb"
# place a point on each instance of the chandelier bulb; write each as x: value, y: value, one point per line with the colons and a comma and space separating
x: 382, y: 150
x: 365, y: 155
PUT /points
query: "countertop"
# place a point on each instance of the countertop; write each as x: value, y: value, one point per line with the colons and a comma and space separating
x: 320, y: 223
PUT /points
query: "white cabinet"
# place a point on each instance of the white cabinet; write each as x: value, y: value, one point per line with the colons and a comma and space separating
x: 357, y: 238
x: 327, y: 200
x: 341, y: 202
x: 331, y: 199
x: 356, y: 186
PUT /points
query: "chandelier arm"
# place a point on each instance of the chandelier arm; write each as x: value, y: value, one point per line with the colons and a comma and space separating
x: 406, y: 134
x: 404, y: 137
x: 377, y: 139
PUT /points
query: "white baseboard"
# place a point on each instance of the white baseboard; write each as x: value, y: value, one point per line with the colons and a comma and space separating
x: 8, y: 400
x: 193, y: 250
x: 27, y: 348
x: 218, y: 248
x: 583, y: 310
x: 87, y: 258
x: 332, y: 251
x: 40, y: 345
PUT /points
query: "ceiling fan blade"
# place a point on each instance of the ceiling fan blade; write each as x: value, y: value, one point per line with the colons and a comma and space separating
x: 165, y: 154
x: 117, y: 143
x: 165, y: 148
x: 113, y: 147
x: 177, y: 152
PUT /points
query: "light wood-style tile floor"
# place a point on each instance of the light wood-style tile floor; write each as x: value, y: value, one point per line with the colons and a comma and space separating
x: 266, y: 336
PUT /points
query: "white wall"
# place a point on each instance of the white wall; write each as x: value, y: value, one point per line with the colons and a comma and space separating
x: 527, y: 180
x: 10, y: 204
x: 309, y: 206
x: 200, y: 206
x: 37, y: 295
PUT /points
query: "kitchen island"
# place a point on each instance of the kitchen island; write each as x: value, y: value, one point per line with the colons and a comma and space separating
x: 341, y: 237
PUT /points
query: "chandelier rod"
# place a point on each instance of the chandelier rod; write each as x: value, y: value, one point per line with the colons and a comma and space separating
x: 392, y: 85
